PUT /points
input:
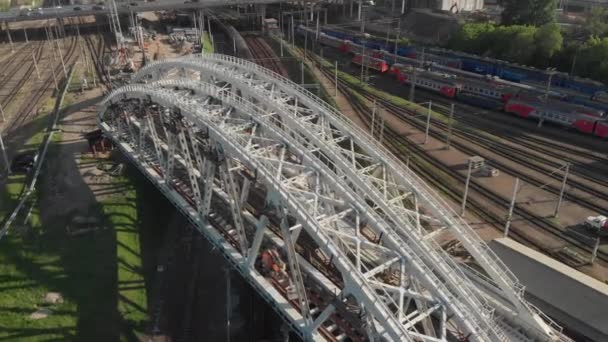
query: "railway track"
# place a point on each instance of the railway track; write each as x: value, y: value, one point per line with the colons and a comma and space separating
x: 396, y: 143
x: 97, y: 53
x: 591, y: 187
x: 29, y: 107
x: 585, y: 160
x: 581, y: 160
x: 462, y: 140
x: 16, y: 65
x: 264, y: 55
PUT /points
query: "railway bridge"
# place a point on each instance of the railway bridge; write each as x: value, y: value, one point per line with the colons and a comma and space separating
x: 333, y: 231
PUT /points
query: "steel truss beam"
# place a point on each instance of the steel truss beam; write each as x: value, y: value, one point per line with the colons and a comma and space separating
x: 289, y: 127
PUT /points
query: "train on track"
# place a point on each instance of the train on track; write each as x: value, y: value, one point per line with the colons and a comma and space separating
x: 566, y: 88
x: 484, y: 91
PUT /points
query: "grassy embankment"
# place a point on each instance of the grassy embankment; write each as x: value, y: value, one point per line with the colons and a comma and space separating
x: 101, y: 274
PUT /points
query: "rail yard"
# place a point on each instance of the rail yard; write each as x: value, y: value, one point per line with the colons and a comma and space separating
x: 266, y: 170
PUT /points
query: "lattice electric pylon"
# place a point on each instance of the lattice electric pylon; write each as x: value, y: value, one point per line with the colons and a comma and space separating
x: 329, y: 227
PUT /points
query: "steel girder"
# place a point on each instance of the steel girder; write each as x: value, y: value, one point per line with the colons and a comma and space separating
x: 382, y: 194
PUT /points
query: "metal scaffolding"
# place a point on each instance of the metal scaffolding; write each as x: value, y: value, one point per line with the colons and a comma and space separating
x: 210, y: 128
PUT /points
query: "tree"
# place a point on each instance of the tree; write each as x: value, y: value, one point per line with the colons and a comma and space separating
x: 472, y: 37
x: 528, y: 12
x: 549, y: 40
x: 592, y: 59
x: 521, y: 46
x: 596, y: 23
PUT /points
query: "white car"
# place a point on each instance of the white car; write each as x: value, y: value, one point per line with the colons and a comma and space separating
x: 598, y: 224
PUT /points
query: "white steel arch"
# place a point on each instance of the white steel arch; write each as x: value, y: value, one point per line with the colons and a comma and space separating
x: 321, y: 174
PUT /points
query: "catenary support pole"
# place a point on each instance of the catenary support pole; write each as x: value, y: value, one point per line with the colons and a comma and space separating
x: 466, y: 189
x: 25, y: 34
x: 381, y: 128
x: 413, y: 84
x: 4, y: 156
x: 336, y: 80
x: 228, y: 304
x: 317, y: 30
x: 8, y: 34
x: 511, y: 206
x: 428, y: 122
x: 302, y: 70
x: 35, y: 64
x: 562, y: 190
x: 372, y: 126
x: 450, y: 123
x: 65, y: 72
x: 595, y: 249
x: 2, y: 113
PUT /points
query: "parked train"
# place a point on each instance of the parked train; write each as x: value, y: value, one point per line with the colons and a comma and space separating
x: 584, y: 119
x: 484, y: 91
x: 377, y: 64
x: 474, y: 64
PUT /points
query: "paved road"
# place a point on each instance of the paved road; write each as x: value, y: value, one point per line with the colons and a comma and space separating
x: 123, y: 7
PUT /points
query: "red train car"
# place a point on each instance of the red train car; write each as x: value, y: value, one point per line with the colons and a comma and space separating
x: 377, y: 64
x: 436, y: 82
x: 601, y: 129
x: 583, y: 119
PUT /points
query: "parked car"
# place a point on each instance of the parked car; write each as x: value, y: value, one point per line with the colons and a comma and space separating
x: 24, y: 162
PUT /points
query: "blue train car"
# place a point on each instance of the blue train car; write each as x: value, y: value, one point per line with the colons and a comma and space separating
x: 478, y: 67
x: 406, y: 51
x: 338, y: 34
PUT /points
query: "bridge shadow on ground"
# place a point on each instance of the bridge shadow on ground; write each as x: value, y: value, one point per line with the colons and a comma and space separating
x: 91, y: 237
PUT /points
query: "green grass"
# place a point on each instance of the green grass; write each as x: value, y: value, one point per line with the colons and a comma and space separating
x: 100, y: 273
x: 207, y: 44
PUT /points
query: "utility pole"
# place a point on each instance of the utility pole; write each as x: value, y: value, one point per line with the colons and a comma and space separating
x: 373, y: 119
x: 562, y: 190
x: 54, y: 78
x: 4, y: 156
x: 595, y: 248
x: 336, y: 79
x: 397, y: 39
x: 450, y: 119
x: 428, y: 123
x: 25, y: 34
x: 511, y: 207
x: 35, y: 66
x: 8, y: 34
x: 466, y: 190
x: 228, y: 304
x: 362, y: 63
x: 302, y: 70
x: 551, y: 72
x: 317, y: 33
x: 359, y: 5
x: 281, y: 41
x: 362, y: 21
x: 293, y: 37
x: 381, y: 128
x: 305, y: 43
x: 413, y: 83
x: 402, y: 6
x: 2, y: 112
x: 65, y: 72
